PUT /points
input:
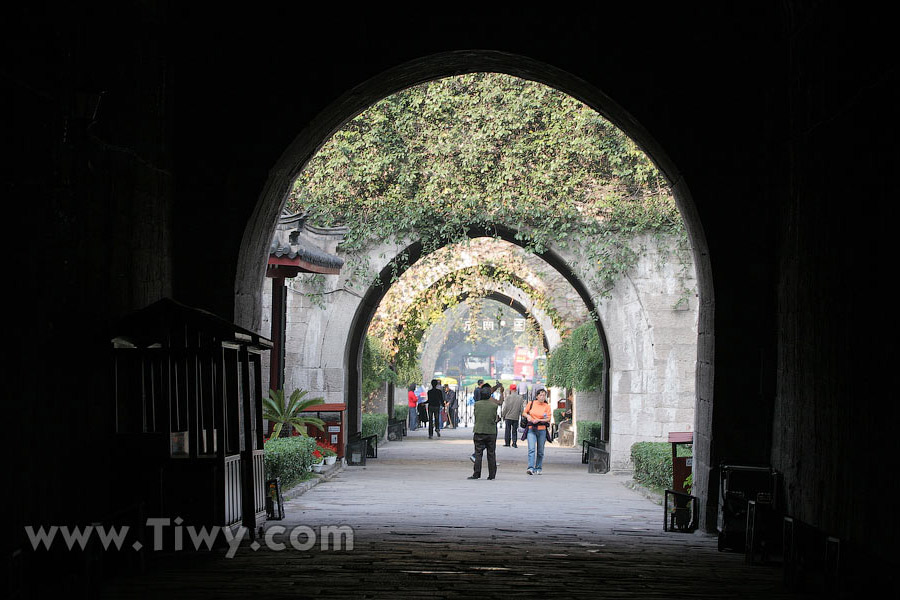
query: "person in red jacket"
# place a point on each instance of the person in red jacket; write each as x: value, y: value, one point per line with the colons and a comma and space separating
x: 412, y: 401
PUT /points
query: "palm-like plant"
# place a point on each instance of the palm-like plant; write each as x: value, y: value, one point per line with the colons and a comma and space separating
x: 290, y: 412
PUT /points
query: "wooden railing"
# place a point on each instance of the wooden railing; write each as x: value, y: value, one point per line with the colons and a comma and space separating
x: 233, y: 490
x: 259, y: 484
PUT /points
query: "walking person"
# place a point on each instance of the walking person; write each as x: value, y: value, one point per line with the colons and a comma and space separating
x: 422, y: 406
x: 412, y: 401
x: 452, y: 406
x: 435, y: 402
x: 476, y: 393
x: 484, y: 434
x: 510, y: 412
x: 538, y: 415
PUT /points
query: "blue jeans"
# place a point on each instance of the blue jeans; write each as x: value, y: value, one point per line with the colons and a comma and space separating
x: 536, y: 437
x: 413, y: 418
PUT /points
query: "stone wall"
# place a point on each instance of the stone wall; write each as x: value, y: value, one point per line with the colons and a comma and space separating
x: 650, y: 320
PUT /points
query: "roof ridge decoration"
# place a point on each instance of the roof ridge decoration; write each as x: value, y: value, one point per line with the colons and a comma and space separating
x: 291, y: 245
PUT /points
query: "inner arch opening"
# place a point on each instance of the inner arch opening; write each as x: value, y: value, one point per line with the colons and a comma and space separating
x: 573, y: 261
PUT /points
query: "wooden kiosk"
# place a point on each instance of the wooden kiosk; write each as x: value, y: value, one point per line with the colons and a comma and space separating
x: 188, y: 420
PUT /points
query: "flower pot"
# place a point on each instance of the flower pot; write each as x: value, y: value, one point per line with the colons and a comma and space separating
x: 329, y: 460
x: 318, y: 467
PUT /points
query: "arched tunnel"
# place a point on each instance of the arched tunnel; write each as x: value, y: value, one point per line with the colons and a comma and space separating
x: 150, y: 151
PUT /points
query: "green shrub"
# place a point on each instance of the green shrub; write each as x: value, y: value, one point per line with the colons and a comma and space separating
x: 401, y: 413
x: 558, y: 415
x: 374, y: 424
x: 289, y: 459
x: 652, y: 463
x: 588, y: 430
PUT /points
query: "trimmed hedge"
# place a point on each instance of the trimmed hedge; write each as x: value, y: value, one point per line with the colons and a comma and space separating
x: 588, y: 430
x: 289, y: 459
x: 401, y: 413
x: 652, y: 463
x: 375, y: 424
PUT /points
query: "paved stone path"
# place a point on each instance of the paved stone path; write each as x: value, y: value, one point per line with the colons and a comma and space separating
x: 422, y: 530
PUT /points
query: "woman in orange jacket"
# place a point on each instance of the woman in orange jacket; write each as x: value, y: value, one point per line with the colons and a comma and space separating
x: 538, y: 414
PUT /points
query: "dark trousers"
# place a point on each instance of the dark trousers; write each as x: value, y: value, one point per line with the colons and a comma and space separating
x: 485, y: 441
x: 510, y: 431
x: 434, y: 420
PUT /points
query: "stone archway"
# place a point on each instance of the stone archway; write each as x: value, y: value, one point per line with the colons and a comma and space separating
x: 515, y: 299
x: 648, y: 361
x: 248, y: 308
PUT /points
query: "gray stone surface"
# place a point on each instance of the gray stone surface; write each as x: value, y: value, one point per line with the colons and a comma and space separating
x: 422, y: 530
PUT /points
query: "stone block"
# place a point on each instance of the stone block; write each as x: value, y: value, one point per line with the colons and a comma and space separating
x: 334, y: 379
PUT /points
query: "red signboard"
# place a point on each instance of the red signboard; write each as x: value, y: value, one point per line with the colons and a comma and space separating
x: 523, y: 362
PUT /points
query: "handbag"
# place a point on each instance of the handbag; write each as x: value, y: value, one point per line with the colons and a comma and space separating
x: 523, y: 420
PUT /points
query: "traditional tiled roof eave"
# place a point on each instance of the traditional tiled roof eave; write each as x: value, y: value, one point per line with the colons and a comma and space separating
x: 292, y: 252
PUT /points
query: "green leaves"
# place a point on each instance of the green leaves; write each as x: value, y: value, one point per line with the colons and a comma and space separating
x: 475, y: 150
x: 290, y: 412
x: 289, y: 459
x: 577, y: 362
x: 376, y: 367
x: 652, y: 464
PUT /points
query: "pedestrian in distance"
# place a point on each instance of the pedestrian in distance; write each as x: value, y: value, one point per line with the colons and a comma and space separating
x: 485, y: 392
x: 422, y: 406
x: 476, y: 394
x: 484, y: 434
x: 412, y: 401
x: 435, y: 401
x: 452, y: 406
x: 510, y: 412
x: 538, y: 414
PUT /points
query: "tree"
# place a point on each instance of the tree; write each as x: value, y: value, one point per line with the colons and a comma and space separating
x: 376, y: 367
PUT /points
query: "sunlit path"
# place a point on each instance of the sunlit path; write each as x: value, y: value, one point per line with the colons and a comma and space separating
x: 422, y: 530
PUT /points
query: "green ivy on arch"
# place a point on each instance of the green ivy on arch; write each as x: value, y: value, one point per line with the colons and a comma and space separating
x: 476, y: 151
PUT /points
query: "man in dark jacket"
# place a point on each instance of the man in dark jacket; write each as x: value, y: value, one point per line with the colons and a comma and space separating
x: 435, y: 402
x: 484, y: 434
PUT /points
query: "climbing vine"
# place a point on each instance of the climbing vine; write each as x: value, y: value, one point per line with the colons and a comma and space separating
x: 478, y: 151
x: 577, y: 362
x: 475, y: 153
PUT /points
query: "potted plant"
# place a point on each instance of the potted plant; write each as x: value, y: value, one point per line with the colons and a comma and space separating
x: 318, y: 461
x: 329, y: 452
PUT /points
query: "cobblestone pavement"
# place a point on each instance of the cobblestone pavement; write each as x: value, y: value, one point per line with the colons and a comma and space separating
x: 422, y: 530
